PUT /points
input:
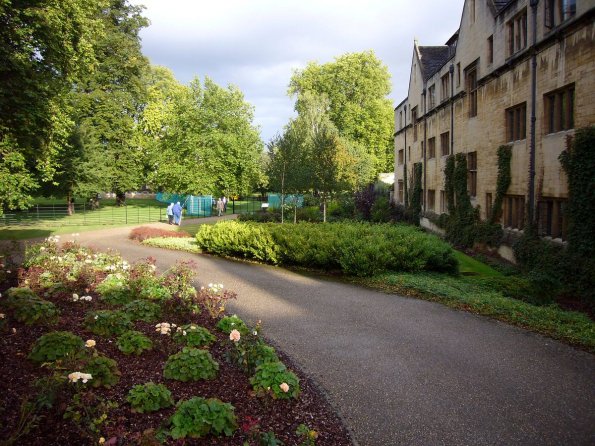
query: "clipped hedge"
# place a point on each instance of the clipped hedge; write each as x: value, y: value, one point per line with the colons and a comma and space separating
x: 359, y: 249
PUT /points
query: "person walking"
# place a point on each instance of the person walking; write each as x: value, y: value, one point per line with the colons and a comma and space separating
x: 170, y: 213
x: 177, y: 213
x: 224, y: 199
x: 219, y: 207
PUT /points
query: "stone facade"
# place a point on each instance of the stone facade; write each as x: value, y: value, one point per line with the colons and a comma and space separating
x: 474, y: 94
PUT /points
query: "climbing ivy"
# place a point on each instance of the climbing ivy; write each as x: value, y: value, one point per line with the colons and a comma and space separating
x: 415, y: 204
x: 503, y: 182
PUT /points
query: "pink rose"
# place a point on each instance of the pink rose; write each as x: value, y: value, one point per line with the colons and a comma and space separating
x: 234, y: 335
x: 284, y: 387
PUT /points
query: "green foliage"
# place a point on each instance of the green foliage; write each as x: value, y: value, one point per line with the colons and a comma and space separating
x: 89, y: 412
x: 228, y: 323
x: 16, y: 182
x: 357, y: 86
x: 355, y: 248
x: 107, y: 322
x: 415, y: 204
x: 114, y: 290
x: 57, y: 345
x: 309, y: 435
x: 179, y: 244
x: 198, y: 417
x: 103, y: 370
x: 250, y: 352
x: 269, y: 378
x: 133, y: 342
x: 190, y: 364
x: 503, y: 181
x: 149, y: 397
x: 142, y: 310
x: 193, y: 335
x: 29, y: 308
x: 381, y: 210
x: 239, y: 240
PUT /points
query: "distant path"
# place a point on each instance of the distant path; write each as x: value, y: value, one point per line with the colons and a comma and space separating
x: 406, y: 371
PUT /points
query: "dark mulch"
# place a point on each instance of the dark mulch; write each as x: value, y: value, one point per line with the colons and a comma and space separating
x: 125, y: 427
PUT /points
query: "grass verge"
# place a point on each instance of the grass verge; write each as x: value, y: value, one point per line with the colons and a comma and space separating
x: 470, y: 266
x: 464, y: 293
x: 187, y: 244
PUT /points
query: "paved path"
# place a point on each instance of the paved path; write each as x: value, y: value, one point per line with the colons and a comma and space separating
x: 402, y: 371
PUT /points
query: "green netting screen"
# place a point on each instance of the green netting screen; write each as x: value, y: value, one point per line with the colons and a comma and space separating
x: 291, y: 200
x: 195, y: 206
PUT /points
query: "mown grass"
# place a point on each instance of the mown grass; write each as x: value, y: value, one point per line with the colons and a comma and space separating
x: 470, y: 266
x: 465, y: 293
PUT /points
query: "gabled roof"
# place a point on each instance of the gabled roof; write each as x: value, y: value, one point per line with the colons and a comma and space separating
x: 500, y: 5
x: 433, y: 58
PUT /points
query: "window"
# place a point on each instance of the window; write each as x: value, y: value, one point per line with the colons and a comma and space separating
x: 472, y: 173
x: 432, y: 148
x: 443, y: 204
x: 445, y: 143
x: 400, y: 158
x: 458, y: 74
x: 516, y: 119
x: 472, y: 90
x: 489, y: 203
x: 557, y: 11
x: 551, y: 220
x: 431, y: 199
x: 414, y: 122
x: 432, y: 96
x: 400, y: 192
x: 517, y: 33
x: 445, y: 88
x: 409, y: 154
x: 400, y: 120
x: 513, y: 208
x: 559, y: 110
x: 491, y: 49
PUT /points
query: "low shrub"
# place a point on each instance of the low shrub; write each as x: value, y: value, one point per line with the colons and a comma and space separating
x: 29, y: 308
x: 191, y: 364
x: 193, y: 336
x: 107, y: 322
x: 250, y: 351
x: 103, y: 370
x: 274, y: 379
x: 57, y: 345
x: 143, y: 310
x: 358, y: 249
x: 133, y: 342
x: 228, y: 323
x: 198, y: 417
x: 149, y: 397
x: 179, y: 244
x: 145, y: 232
x: 114, y: 290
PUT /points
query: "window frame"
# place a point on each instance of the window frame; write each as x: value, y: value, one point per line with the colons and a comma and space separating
x: 516, y: 122
x: 432, y: 147
x: 472, y: 173
x: 445, y: 136
x: 558, y: 108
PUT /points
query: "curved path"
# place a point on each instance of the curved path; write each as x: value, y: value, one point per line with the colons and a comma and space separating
x: 406, y: 371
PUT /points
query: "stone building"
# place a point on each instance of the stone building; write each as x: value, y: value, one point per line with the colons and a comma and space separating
x: 510, y: 64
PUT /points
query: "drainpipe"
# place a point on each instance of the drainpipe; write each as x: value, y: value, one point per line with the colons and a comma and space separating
x: 531, y: 203
x: 405, y: 201
x: 451, y: 70
x: 425, y: 146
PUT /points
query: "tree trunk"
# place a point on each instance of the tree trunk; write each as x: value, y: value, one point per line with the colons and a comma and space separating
x: 324, y: 208
x: 70, y: 203
x: 120, y: 198
x: 295, y: 213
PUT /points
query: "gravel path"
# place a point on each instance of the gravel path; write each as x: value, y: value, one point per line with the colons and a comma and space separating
x: 402, y: 371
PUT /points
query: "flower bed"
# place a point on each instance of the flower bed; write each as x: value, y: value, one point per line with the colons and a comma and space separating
x: 107, y: 369
x: 145, y: 232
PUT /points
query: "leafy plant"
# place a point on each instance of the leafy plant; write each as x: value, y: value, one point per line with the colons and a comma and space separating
x: 29, y: 308
x: 89, y: 412
x: 114, y: 290
x: 191, y: 364
x: 149, y: 397
x: 198, y: 417
x: 250, y: 351
x: 104, y: 371
x: 133, y: 342
x: 107, y: 322
x: 309, y: 435
x: 193, y: 335
x: 273, y: 378
x: 143, y: 310
x: 214, y: 299
x: 228, y: 323
x: 57, y: 345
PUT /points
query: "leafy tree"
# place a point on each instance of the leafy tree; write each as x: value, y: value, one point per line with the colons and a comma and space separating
x: 357, y: 85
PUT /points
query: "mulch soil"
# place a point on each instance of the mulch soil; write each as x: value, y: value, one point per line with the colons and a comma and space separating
x: 124, y: 427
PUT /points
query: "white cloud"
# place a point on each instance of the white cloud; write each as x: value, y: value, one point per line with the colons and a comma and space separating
x: 256, y: 44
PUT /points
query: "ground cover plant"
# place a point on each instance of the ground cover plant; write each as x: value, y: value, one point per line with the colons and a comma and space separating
x: 358, y: 249
x: 113, y: 373
x: 144, y: 232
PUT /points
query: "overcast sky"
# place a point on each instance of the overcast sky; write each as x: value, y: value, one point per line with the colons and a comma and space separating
x: 256, y: 44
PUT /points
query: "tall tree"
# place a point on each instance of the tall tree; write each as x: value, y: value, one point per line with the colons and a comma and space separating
x: 357, y: 86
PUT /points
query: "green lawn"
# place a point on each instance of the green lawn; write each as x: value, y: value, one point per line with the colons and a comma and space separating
x: 470, y: 266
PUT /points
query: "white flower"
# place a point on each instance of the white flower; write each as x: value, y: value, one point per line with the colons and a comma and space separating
x: 75, y: 376
x: 96, y: 317
x: 255, y: 333
x: 14, y: 331
x: 90, y: 343
x: 2, y: 315
x: 184, y: 333
x: 7, y: 271
x: 75, y: 297
x: 87, y: 298
x: 42, y: 248
x: 234, y: 335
